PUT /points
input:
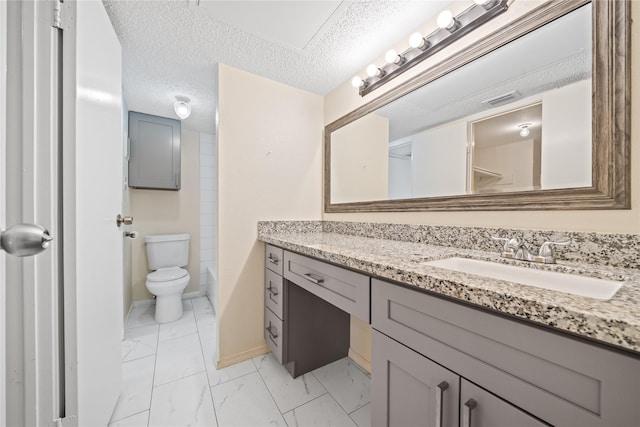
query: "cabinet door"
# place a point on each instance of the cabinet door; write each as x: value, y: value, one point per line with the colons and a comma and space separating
x: 155, y: 152
x: 479, y: 408
x: 410, y: 390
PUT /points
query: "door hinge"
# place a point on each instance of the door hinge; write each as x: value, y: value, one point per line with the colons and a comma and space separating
x: 57, y: 14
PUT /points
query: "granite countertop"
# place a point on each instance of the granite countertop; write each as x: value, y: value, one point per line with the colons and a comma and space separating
x: 615, y: 322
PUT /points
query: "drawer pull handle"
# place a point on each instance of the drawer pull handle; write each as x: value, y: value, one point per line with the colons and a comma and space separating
x: 440, y: 389
x: 273, y: 260
x: 270, y: 330
x: 273, y: 291
x: 466, y: 413
x: 311, y: 277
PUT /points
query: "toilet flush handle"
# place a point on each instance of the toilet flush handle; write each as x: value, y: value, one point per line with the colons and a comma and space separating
x: 126, y: 220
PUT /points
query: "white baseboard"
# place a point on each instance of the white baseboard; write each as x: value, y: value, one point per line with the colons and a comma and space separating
x: 241, y: 357
x: 361, y: 361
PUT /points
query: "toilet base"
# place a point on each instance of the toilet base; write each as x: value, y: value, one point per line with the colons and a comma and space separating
x: 168, y: 308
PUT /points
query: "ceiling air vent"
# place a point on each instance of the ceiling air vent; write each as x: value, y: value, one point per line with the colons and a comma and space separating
x: 501, y: 99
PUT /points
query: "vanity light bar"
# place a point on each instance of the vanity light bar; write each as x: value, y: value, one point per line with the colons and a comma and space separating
x: 454, y: 28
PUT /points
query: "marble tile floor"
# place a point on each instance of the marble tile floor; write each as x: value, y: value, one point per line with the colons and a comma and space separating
x: 170, y: 379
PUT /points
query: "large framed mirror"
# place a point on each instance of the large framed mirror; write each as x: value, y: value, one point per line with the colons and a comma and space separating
x: 534, y: 116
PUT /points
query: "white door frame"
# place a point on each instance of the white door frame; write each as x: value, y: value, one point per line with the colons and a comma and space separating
x: 3, y: 158
x: 31, y: 196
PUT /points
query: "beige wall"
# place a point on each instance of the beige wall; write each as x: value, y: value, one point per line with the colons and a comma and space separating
x: 270, y: 168
x: 360, y: 160
x: 345, y: 99
x: 167, y: 212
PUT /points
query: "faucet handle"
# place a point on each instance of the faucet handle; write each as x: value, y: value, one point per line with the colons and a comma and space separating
x: 547, y: 251
x: 545, y: 254
x: 510, y: 244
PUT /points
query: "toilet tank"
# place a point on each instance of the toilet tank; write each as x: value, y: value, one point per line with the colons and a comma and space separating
x: 167, y: 250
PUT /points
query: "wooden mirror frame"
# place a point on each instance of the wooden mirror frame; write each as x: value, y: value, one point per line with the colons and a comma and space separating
x: 611, y: 109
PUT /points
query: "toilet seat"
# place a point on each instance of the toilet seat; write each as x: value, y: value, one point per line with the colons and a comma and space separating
x: 167, y: 274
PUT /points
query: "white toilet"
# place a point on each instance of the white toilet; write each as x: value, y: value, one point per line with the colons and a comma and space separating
x: 166, y: 253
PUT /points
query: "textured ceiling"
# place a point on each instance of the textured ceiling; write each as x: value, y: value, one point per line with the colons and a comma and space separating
x: 172, y: 47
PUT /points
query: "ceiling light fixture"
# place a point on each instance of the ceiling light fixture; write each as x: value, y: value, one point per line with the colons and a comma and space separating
x: 392, y: 57
x: 524, y: 129
x: 450, y: 29
x: 446, y: 21
x: 374, y: 71
x: 182, y: 107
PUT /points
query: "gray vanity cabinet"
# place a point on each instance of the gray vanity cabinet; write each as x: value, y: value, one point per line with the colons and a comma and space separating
x: 154, y: 158
x: 303, y: 331
x: 517, y: 374
x: 410, y: 390
x: 274, y: 300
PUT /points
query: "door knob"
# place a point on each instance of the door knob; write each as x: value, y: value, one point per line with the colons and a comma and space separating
x: 25, y: 239
x: 126, y: 220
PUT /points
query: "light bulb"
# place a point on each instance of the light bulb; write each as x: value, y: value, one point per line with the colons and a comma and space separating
x: 446, y: 20
x: 182, y: 109
x: 392, y: 57
x: 416, y: 40
x: 373, y: 70
x: 357, y: 81
x: 524, y: 129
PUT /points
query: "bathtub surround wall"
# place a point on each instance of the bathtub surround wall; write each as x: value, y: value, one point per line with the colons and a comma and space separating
x: 208, y: 197
x: 270, y: 167
x: 168, y: 212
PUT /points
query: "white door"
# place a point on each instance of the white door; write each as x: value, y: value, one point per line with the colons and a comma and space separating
x: 61, y: 167
x: 92, y: 198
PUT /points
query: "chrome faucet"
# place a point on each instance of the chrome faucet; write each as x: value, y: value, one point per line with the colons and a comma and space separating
x: 514, y: 249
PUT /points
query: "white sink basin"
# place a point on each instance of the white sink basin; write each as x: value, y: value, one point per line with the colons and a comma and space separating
x: 591, y: 287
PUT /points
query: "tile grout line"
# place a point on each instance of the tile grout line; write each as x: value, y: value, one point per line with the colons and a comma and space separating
x: 206, y: 371
x: 153, y: 382
x: 267, y: 387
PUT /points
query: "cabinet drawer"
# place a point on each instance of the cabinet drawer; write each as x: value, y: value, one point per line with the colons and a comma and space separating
x: 273, y: 258
x: 343, y: 288
x: 563, y: 380
x: 273, y: 333
x: 273, y: 292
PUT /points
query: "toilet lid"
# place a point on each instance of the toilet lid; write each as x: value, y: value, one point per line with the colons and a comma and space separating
x: 166, y: 274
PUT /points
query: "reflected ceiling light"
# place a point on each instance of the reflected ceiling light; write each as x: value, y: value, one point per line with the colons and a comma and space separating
x: 524, y: 129
x: 182, y: 107
x: 451, y: 28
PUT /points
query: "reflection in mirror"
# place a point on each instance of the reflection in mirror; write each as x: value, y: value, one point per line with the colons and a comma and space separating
x: 461, y: 134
